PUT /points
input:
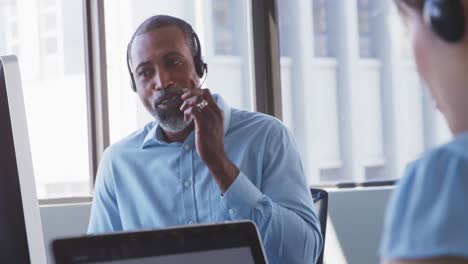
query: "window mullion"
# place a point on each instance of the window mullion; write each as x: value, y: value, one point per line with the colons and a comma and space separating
x: 266, y: 57
x: 96, y: 82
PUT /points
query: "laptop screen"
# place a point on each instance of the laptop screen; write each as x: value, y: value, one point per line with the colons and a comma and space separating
x: 225, y: 256
x: 234, y: 242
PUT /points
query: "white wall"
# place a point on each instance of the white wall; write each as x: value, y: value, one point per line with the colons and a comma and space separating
x: 353, y: 233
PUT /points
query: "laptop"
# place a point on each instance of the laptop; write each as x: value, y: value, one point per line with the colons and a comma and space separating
x: 227, y: 243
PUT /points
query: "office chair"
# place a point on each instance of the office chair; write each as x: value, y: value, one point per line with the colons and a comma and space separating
x: 320, y: 198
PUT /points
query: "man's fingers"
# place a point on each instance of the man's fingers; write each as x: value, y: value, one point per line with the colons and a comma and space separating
x: 195, y: 112
x: 192, y: 92
x: 188, y: 113
x: 208, y: 96
x: 191, y: 101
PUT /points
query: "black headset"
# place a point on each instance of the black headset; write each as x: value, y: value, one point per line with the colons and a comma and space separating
x: 446, y: 18
x: 200, y: 66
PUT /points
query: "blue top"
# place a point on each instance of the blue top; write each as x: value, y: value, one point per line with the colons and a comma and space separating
x: 144, y: 182
x: 428, y: 213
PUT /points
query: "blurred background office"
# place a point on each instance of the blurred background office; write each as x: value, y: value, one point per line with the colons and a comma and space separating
x: 350, y: 93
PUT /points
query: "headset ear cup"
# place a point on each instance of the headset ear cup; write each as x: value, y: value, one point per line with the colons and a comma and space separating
x: 205, y: 68
x: 446, y: 18
x: 199, y: 66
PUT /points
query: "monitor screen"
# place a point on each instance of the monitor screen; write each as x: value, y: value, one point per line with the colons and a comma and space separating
x: 20, y: 223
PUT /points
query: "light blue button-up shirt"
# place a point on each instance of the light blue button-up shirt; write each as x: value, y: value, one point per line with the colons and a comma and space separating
x: 144, y: 182
x: 428, y: 214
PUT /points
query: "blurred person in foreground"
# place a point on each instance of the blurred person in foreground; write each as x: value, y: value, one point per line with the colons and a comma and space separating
x: 427, y: 219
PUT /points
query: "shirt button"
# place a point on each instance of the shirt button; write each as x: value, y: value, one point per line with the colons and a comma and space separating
x: 186, y: 147
x: 232, y: 211
x: 187, y: 184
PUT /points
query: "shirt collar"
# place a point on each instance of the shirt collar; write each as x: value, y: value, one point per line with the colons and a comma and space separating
x: 155, y: 136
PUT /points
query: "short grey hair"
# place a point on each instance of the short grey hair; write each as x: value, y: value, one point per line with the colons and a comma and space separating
x: 161, y: 21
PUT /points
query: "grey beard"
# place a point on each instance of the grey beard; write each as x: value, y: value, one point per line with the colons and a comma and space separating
x: 172, y: 122
x: 172, y: 119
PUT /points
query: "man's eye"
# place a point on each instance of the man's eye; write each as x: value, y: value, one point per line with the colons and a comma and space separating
x: 145, y: 72
x: 174, y: 62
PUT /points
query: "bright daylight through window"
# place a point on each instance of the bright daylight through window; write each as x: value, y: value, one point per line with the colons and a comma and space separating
x: 350, y: 92
x: 47, y: 37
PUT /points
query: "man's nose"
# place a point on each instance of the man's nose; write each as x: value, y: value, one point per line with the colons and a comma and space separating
x: 163, y: 79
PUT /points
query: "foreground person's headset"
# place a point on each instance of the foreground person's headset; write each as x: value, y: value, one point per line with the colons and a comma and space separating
x: 446, y: 18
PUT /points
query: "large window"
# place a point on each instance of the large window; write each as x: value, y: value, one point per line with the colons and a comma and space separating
x: 226, y: 29
x: 351, y: 94
x: 47, y: 37
x: 223, y: 29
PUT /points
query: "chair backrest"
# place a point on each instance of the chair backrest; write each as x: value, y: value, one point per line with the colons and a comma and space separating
x: 320, y: 198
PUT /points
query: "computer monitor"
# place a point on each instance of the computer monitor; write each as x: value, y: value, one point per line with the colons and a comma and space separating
x: 21, y: 239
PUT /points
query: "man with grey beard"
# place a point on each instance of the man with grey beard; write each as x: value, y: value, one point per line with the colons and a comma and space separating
x: 201, y: 161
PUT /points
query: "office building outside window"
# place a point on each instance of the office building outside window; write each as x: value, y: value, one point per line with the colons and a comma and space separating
x: 366, y: 15
x: 350, y: 92
x: 225, y: 27
x: 322, y: 28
